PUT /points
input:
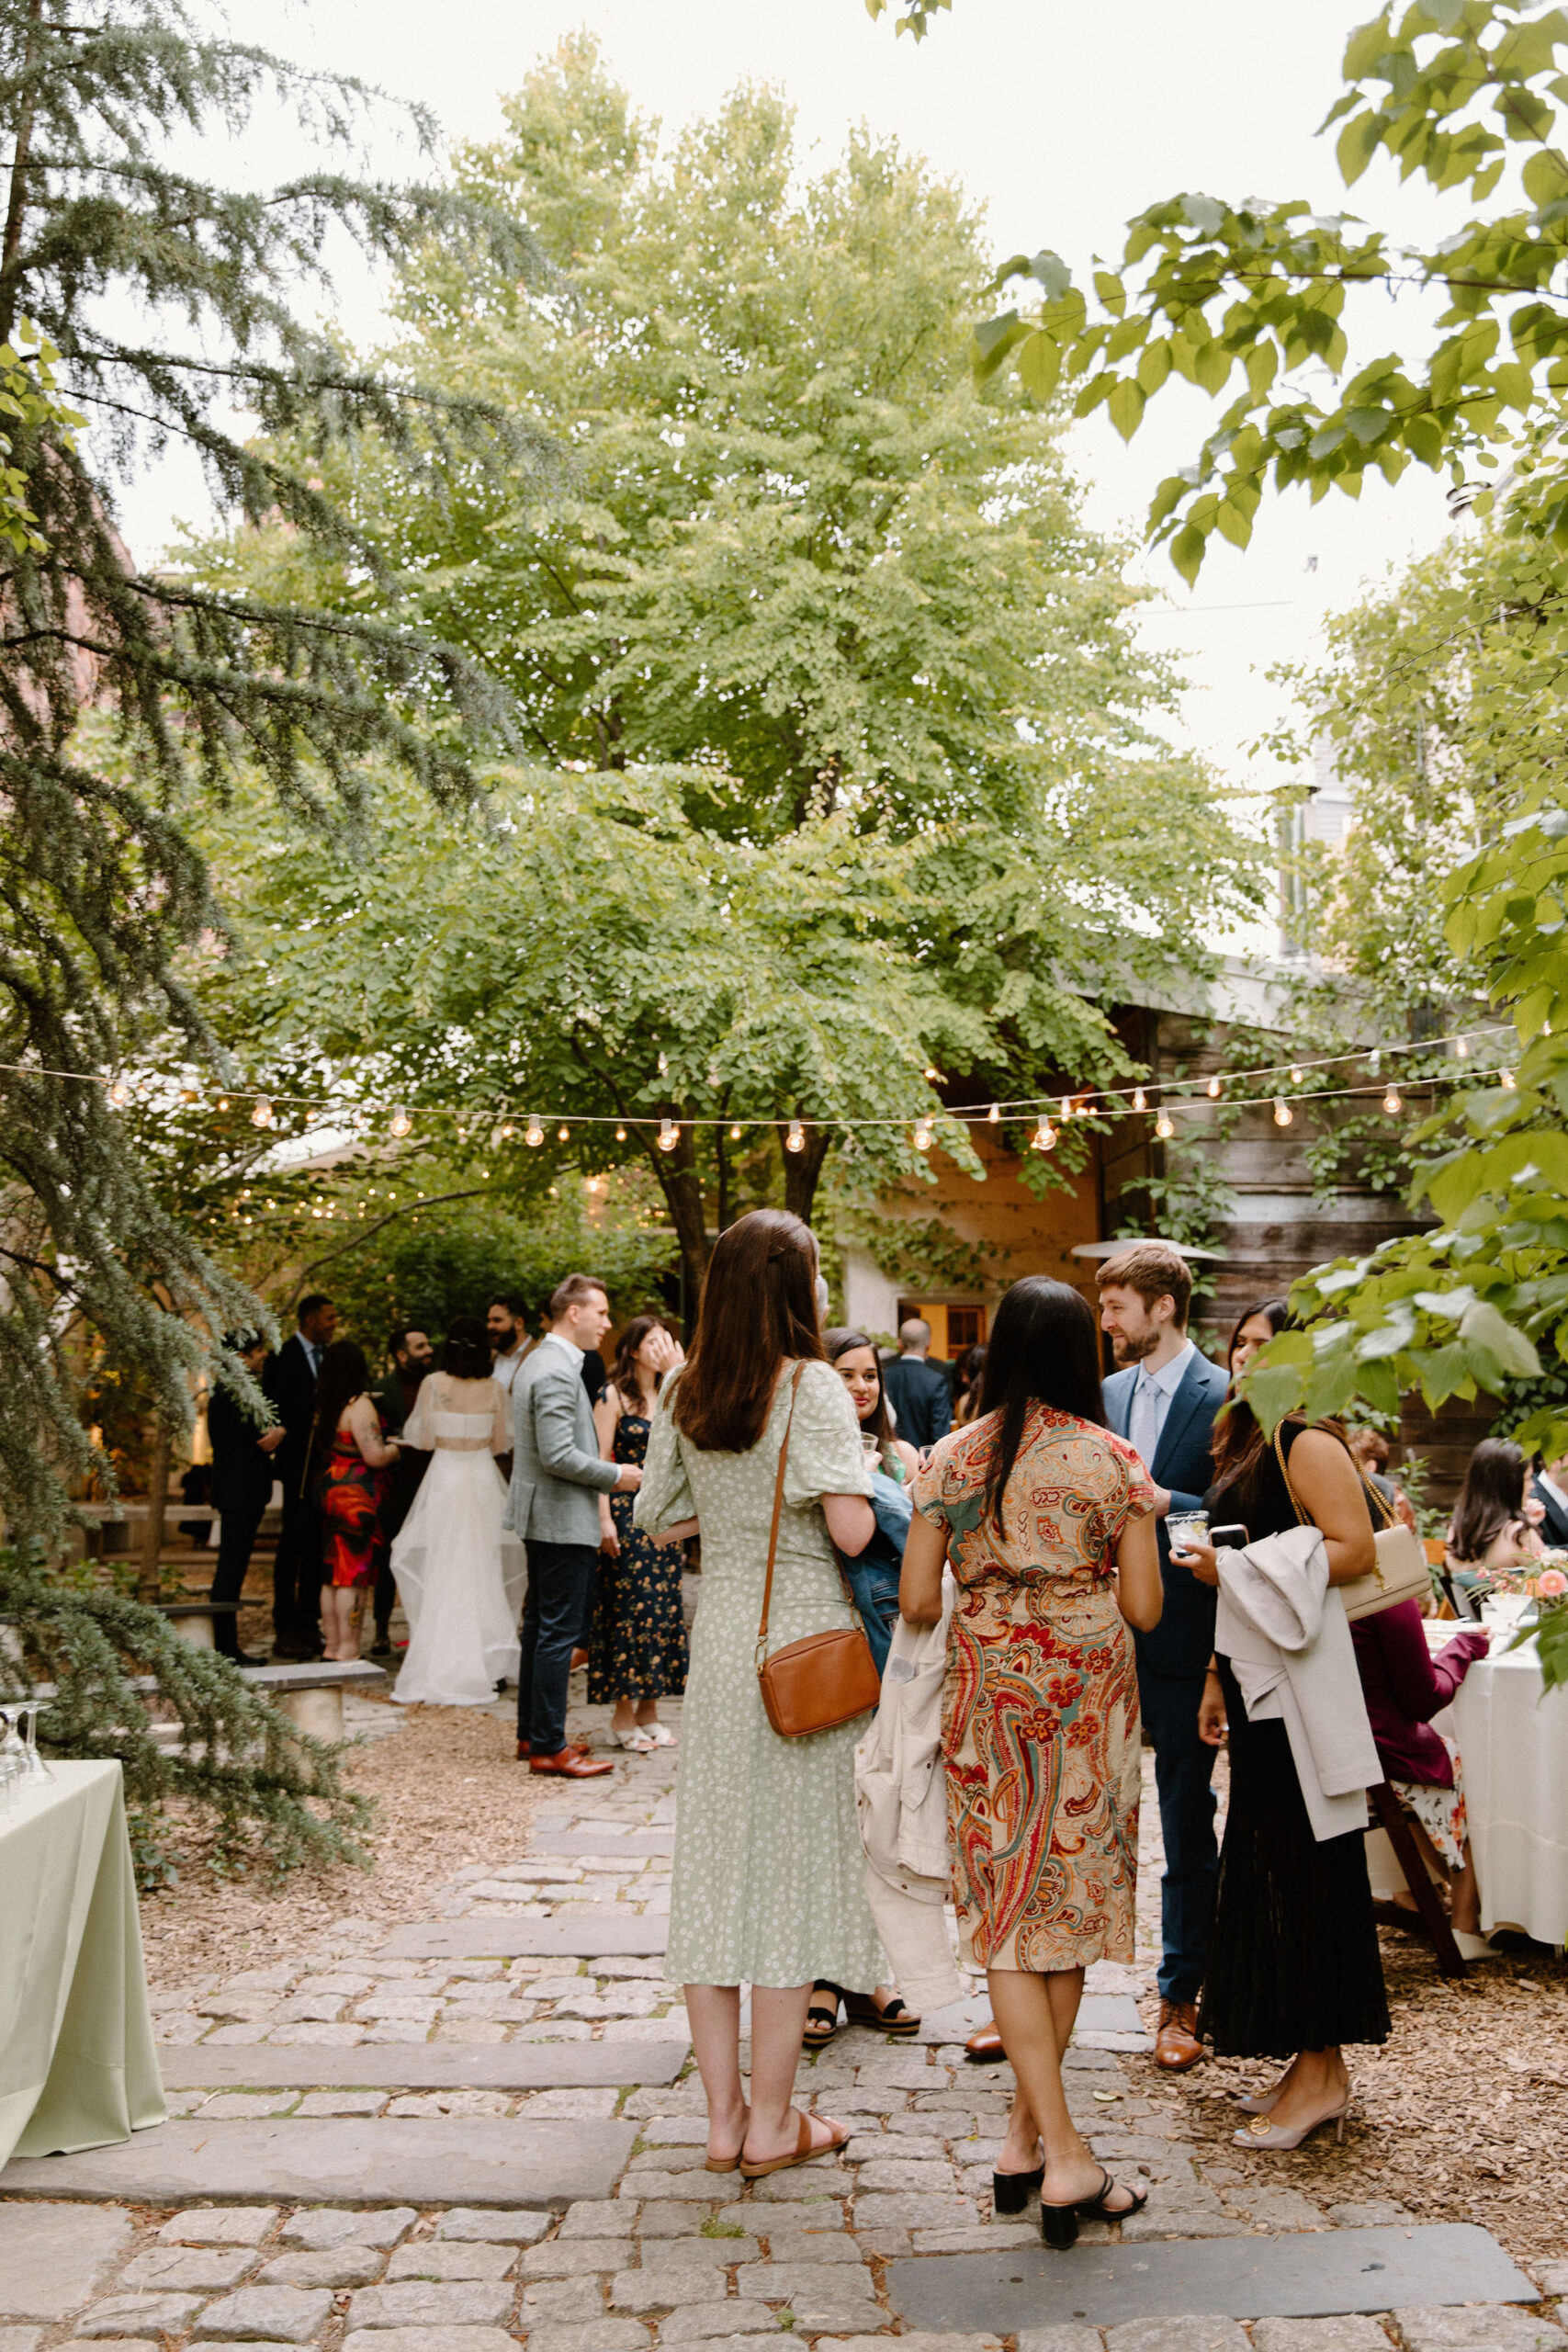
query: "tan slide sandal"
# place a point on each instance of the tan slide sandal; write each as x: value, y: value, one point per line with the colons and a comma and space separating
x: 804, y: 2150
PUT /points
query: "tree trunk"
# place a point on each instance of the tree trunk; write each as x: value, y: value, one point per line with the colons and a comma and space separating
x: 681, y: 1187
x: 802, y: 1170
x: 150, y: 1582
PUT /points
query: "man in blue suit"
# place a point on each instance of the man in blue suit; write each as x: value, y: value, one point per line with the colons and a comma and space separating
x: 1163, y: 1399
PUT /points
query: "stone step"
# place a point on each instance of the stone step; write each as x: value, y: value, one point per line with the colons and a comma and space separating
x: 1302, y: 2275
x: 425, y: 2066
x: 569, y: 1843
x: 591, y: 1931
x: 435, y: 2160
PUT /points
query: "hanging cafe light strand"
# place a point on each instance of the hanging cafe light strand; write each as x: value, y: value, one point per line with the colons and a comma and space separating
x: 1103, y: 1102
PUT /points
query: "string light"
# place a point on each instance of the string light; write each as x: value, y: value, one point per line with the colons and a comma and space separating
x: 1505, y: 1079
x: 534, y: 1132
x: 796, y: 1140
x: 1462, y: 1047
x: 933, y: 1074
x: 620, y: 1134
x: 1165, y: 1127
x: 119, y: 1094
x: 563, y: 1135
x: 668, y: 1134
x: 663, y: 1065
x: 223, y: 1102
x: 1283, y: 1113
x: 190, y: 1094
x: 922, y: 1134
x: 735, y: 1131
x: 261, y: 1116
x: 1297, y: 1073
x: 1140, y: 1100
x: 994, y: 1114
x: 400, y: 1123
x: 1045, y: 1136
x: 1213, y: 1090
x: 507, y: 1132
x: 1391, y: 1102
x: 1067, y: 1108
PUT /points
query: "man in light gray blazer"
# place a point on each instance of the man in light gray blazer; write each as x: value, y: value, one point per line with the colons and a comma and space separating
x: 557, y: 1476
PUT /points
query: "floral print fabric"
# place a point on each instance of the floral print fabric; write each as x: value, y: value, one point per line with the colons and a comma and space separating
x: 637, y: 1648
x: 351, y: 1492
x: 1040, y: 1710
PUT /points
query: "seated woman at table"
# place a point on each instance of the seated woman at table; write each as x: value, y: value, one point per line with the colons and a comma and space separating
x: 1492, y: 1526
x: 1405, y: 1687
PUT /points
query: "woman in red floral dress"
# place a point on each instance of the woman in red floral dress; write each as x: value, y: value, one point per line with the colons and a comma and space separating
x: 1047, y: 1520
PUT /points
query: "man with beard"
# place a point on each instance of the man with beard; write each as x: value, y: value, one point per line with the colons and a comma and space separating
x: 508, y: 1337
x: 1163, y: 1398
x: 412, y: 1357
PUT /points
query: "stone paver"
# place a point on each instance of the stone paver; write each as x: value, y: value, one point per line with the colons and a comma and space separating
x: 52, y: 2256
x: 1352, y: 2332
x: 1200, y: 2333
x: 448, y: 2259
x: 139, y: 2315
x: 429, y: 2339
x: 321, y: 2226
x: 1478, y: 2327
x: 220, y: 2225
x: 414, y: 2302
x: 1065, y: 2338
x: 179, y: 2266
x: 333, y: 2266
x: 274, y: 2314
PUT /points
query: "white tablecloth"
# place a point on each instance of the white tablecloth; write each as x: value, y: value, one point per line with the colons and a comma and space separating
x: 1513, y: 1739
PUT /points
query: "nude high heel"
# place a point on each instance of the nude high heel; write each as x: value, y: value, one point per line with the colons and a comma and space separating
x: 1273, y: 2139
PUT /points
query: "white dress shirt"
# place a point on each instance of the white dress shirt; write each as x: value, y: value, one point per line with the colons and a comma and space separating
x: 1151, y: 1402
x: 1555, y: 1490
x: 504, y: 1368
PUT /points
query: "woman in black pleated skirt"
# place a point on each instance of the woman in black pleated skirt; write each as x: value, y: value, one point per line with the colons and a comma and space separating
x: 1294, y: 1970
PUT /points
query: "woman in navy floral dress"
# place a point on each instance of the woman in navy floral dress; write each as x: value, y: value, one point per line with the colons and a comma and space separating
x: 637, y: 1647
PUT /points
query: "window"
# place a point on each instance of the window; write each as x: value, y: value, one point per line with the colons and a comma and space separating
x: 965, y: 1328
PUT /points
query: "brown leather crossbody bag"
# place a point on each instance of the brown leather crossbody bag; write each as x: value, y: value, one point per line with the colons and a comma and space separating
x: 823, y: 1680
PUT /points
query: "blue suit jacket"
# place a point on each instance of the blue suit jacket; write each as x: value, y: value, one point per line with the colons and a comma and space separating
x: 1183, y: 1640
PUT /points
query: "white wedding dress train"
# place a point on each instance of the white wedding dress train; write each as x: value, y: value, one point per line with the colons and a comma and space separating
x: 461, y: 1578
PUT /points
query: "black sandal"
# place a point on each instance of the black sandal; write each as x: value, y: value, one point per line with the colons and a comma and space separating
x: 1059, y: 2223
x: 821, y: 2015
x: 1009, y: 2190
x: 861, y: 2009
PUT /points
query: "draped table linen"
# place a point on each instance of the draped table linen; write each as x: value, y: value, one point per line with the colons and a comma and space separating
x: 78, y: 2068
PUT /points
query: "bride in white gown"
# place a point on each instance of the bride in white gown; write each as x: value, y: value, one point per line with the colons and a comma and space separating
x: 459, y: 1575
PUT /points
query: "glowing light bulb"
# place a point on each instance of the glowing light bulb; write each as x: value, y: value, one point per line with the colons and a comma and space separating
x: 1297, y: 1073
x: 1391, y: 1102
x: 1213, y: 1090
x: 668, y: 1134
x: 735, y: 1131
x: 1374, y: 1064
x: 1462, y: 1047
x: 1283, y: 1113
x: 1045, y: 1136
x: 507, y: 1132
x: 1140, y: 1100
x: 663, y: 1065
x: 223, y: 1102
x: 1165, y: 1127
x: 189, y: 1094
x: 261, y: 1116
x: 400, y: 1123
x: 620, y: 1134
x: 119, y: 1094
x: 563, y: 1135
x: 994, y: 1114
x: 922, y: 1134
x: 534, y: 1132
x: 932, y: 1073
x: 1505, y: 1079
x: 796, y: 1140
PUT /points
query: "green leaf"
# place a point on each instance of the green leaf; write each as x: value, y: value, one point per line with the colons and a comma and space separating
x: 1040, y: 364
x: 1126, y: 408
x: 1052, y: 272
x: 1483, y: 1326
x: 1274, y: 1391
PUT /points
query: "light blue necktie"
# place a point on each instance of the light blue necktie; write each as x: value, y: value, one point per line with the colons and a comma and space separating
x: 1143, y: 1421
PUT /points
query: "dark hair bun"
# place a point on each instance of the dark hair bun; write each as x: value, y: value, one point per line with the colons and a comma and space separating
x: 465, y: 1352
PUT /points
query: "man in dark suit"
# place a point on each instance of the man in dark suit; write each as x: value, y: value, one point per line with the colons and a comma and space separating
x: 1550, y: 1488
x: 243, y: 1472
x: 412, y: 1357
x: 290, y: 1381
x: 1163, y: 1399
x: 918, y: 1391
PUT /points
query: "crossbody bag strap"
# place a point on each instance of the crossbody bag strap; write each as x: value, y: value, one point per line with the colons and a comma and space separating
x: 778, y: 1512
x: 1377, y: 1506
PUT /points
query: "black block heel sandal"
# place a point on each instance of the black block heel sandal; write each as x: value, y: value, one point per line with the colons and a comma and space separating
x: 1059, y: 2225
x: 1009, y: 2190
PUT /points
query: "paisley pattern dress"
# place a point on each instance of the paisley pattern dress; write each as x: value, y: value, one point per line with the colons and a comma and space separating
x: 350, y: 1492
x: 1040, y: 1710
x: 637, y: 1646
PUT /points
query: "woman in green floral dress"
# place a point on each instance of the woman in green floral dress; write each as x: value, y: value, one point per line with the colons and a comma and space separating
x: 769, y: 1877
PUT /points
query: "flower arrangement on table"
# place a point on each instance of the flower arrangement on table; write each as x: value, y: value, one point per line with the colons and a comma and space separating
x: 1547, y: 1586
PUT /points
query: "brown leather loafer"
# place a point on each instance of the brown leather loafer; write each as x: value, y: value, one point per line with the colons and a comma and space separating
x: 526, y: 1748
x: 1177, y: 2045
x: 985, y: 2048
x: 570, y: 1764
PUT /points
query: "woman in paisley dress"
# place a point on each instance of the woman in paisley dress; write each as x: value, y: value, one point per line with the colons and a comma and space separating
x: 637, y: 1646
x: 1047, y: 1520
x: 350, y: 1455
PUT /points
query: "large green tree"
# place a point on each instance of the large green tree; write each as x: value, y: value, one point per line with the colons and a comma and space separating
x: 151, y: 303
x: 849, y: 767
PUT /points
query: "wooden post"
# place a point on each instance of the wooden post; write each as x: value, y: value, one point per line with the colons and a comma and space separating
x: 150, y: 1582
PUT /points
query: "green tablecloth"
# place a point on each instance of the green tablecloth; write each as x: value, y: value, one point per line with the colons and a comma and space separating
x: 77, y: 2064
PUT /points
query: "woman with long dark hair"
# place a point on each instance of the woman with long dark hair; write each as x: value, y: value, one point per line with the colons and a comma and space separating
x: 1493, y: 1525
x: 637, y: 1644
x: 1253, y: 1328
x: 461, y: 1575
x: 349, y: 1457
x: 769, y: 1878
x: 1047, y: 1522
x: 1294, y: 1965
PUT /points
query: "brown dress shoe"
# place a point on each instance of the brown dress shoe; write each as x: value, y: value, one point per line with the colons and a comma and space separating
x: 526, y: 1748
x: 570, y: 1764
x: 985, y: 2048
x: 1177, y: 2045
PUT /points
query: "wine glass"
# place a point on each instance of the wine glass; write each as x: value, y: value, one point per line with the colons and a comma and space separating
x: 13, y: 1755
x: 34, y: 1767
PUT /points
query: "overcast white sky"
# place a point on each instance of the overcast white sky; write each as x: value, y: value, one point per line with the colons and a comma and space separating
x: 1062, y: 120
